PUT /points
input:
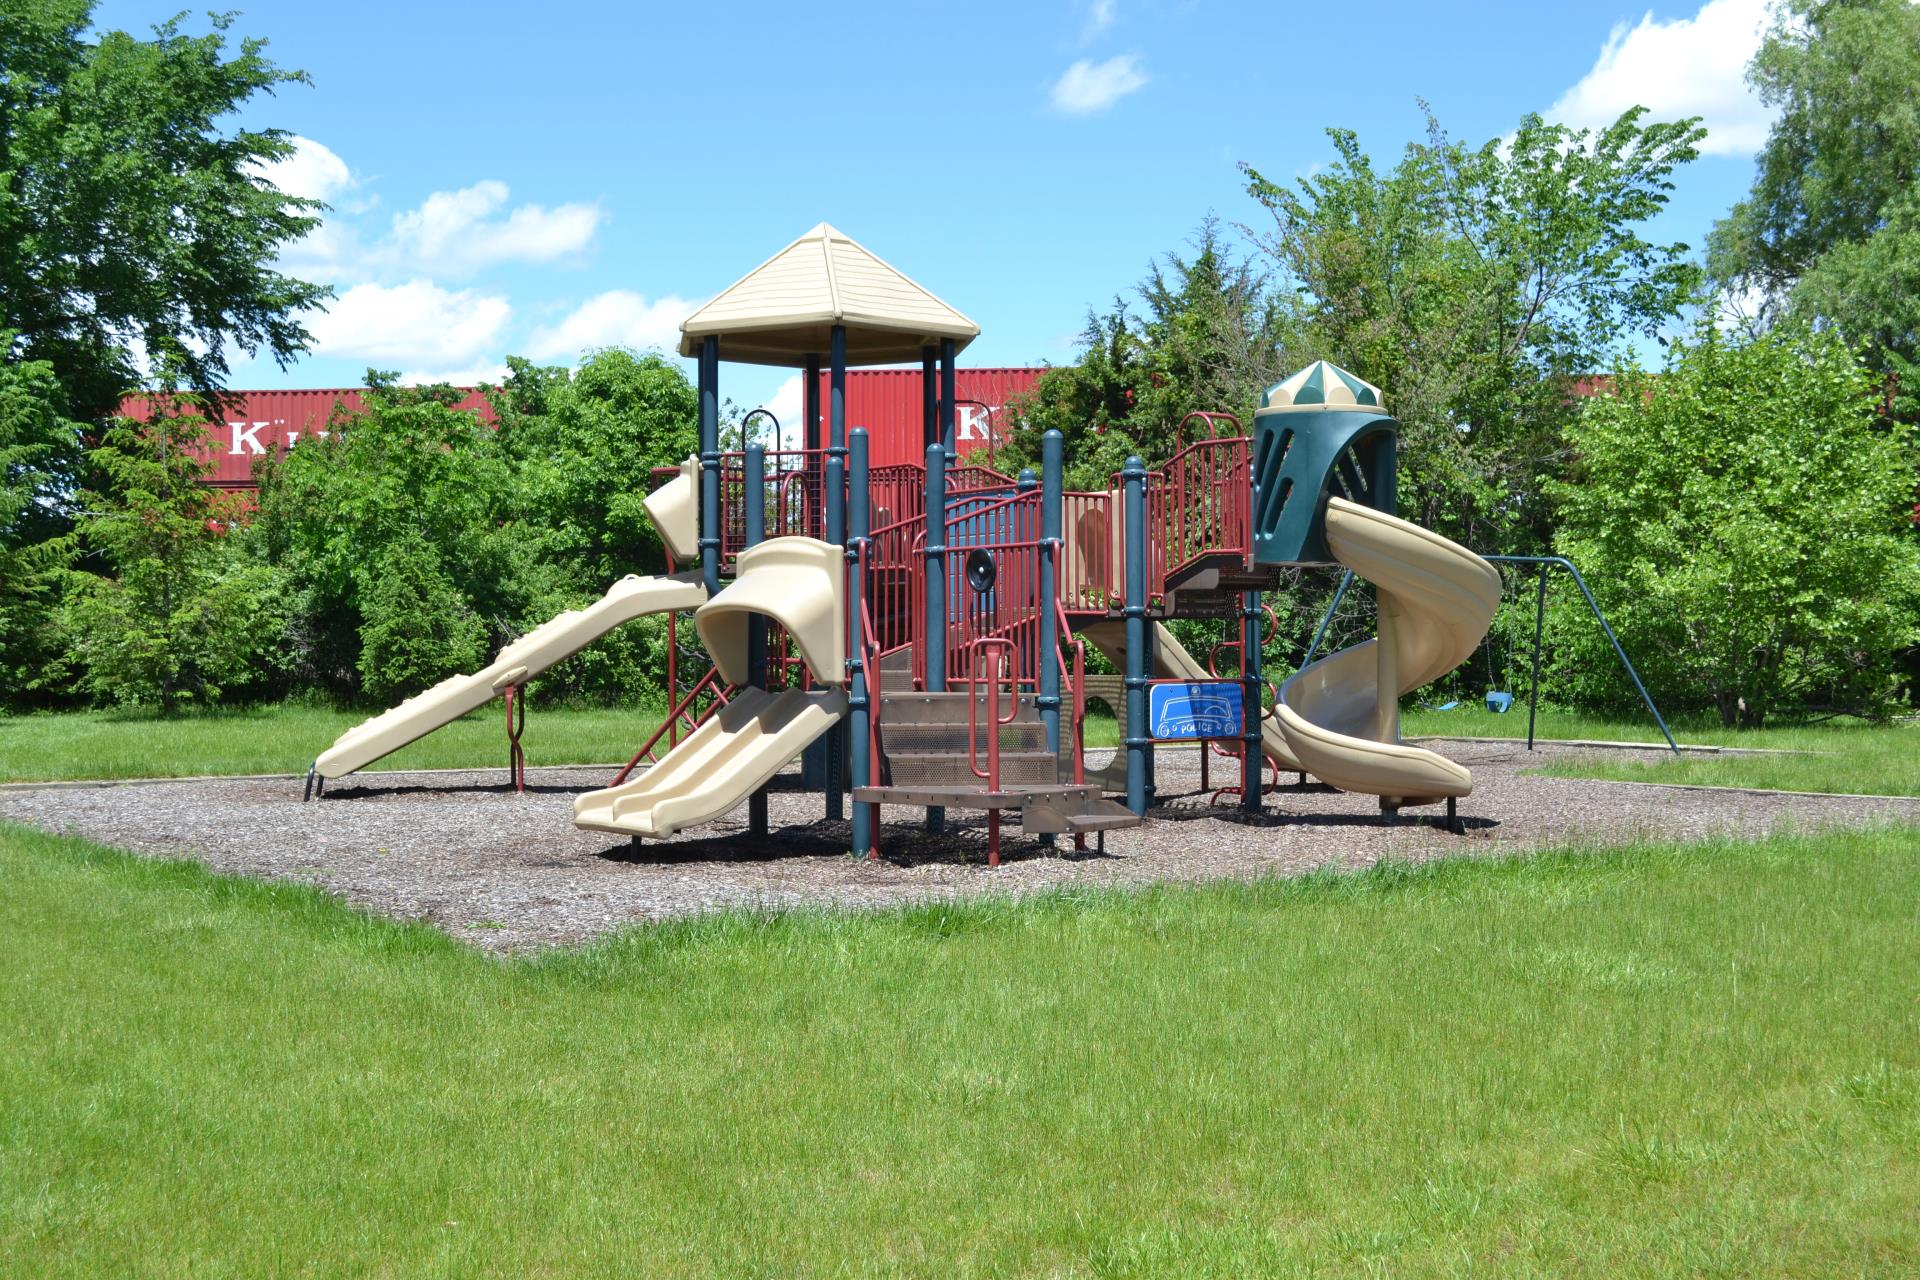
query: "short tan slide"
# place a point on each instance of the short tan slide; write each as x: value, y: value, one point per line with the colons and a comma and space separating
x: 729, y: 757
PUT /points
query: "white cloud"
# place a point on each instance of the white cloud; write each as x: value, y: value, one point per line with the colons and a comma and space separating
x: 1088, y: 87
x: 490, y: 374
x: 417, y: 324
x: 786, y: 404
x: 451, y: 233
x: 311, y: 171
x: 1687, y: 67
x: 1100, y: 15
x: 456, y: 232
x: 617, y: 318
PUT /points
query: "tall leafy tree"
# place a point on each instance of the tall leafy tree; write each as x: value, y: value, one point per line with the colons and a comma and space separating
x: 134, y: 216
x: 411, y: 489
x: 35, y: 436
x: 1473, y: 283
x: 586, y: 444
x: 1204, y: 332
x: 1831, y: 229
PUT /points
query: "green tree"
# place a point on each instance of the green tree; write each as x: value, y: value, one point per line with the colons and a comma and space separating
x: 1745, y: 524
x: 1831, y: 229
x: 1206, y: 333
x: 1472, y: 283
x: 415, y: 626
x: 410, y: 471
x: 133, y: 211
x: 34, y: 436
x: 585, y: 445
x: 173, y: 617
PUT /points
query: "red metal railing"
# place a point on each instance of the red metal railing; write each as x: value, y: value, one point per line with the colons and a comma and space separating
x: 1076, y: 678
x: 794, y: 497
x: 681, y: 713
x: 968, y: 479
x: 1006, y: 535
x: 1205, y: 506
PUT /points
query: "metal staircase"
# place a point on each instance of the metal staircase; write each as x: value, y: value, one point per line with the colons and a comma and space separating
x: 958, y: 750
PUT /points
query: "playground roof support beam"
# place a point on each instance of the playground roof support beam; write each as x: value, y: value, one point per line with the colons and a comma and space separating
x: 859, y: 703
x: 948, y: 395
x: 710, y: 463
x: 929, y: 401
x: 753, y: 504
x: 837, y: 439
x: 810, y: 399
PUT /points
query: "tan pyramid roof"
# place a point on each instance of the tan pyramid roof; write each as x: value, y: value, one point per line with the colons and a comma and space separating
x: 784, y: 310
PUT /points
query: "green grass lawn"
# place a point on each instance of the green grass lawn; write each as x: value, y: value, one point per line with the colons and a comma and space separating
x: 1850, y: 756
x: 1700, y: 1060
x: 285, y: 739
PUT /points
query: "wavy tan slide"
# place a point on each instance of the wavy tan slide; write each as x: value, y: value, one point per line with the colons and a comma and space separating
x: 1171, y: 661
x: 1341, y: 715
x: 562, y: 637
x: 799, y: 583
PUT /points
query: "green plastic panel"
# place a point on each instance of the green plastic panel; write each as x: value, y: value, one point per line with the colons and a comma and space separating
x: 1300, y: 457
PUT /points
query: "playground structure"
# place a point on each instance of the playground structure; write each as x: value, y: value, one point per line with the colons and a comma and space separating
x: 917, y: 633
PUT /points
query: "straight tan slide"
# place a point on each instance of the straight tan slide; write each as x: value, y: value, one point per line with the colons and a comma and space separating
x: 551, y: 642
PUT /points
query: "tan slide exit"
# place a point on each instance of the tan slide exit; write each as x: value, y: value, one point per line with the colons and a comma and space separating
x: 562, y: 637
x: 725, y: 760
x: 799, y: 583
x: 1341, y: 715
x: 1171, y: 662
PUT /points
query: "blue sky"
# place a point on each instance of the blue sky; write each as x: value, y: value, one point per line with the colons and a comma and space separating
x: 538, y: 180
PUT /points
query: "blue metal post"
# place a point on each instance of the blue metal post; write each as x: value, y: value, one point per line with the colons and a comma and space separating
x: 710, y: 462
x: 836, y: 739
x: 1048, y: 701
x: 753, y: 498
x: 858, y: 706
x: 933, y: 645
x: 948, y: 394
x: 1133, y: 478
x: 1252, y: 755
x: 835, y: 504
x: 837, y: 439
x: 929, y: 399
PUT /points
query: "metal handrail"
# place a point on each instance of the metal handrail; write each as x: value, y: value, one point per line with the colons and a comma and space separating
x: 1211, y: 419
x: 975, y: 648
x: 709, y: 682
x: 1077, y: 680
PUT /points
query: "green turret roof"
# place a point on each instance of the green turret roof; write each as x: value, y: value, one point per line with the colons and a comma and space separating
x: 1323, y: 385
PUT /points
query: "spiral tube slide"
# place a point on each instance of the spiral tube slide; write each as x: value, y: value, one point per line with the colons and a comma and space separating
x: 1340, y: 716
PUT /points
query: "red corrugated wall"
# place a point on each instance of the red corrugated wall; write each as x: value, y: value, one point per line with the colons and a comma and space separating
x: 887, y: 402
x: 257, y: 424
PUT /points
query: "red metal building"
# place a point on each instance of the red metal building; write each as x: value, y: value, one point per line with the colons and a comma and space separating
x: 258, y: 424
x: 887, y: 402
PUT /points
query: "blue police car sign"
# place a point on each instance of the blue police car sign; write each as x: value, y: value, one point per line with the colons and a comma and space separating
x: 1185, y: 711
